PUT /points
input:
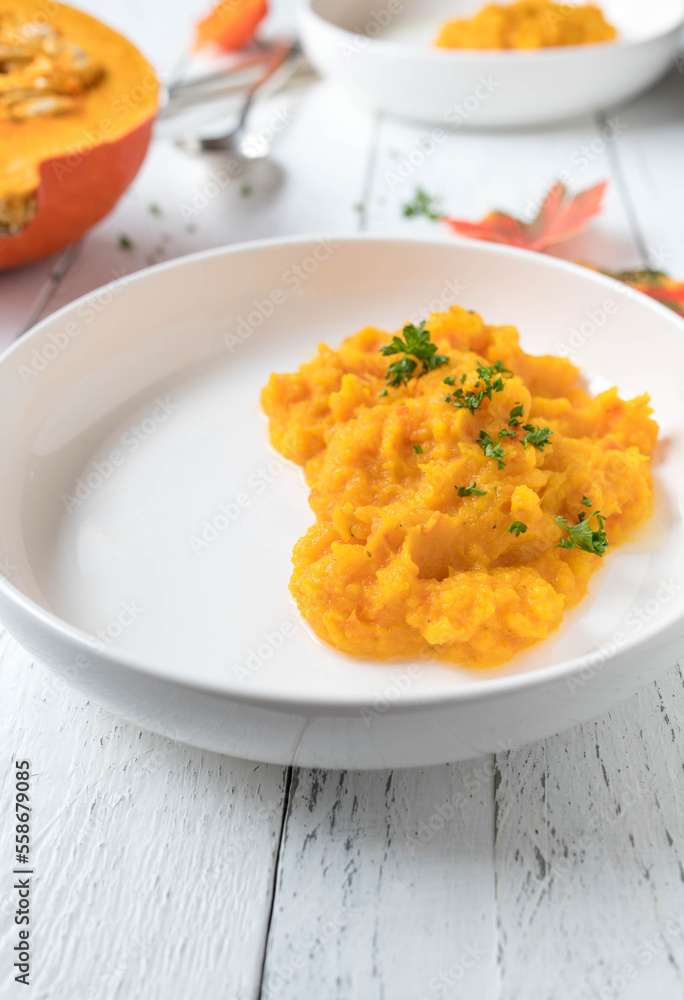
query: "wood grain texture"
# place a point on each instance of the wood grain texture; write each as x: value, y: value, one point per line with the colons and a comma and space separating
x: 403, y: 894
x: 153, y: 861
x: 588, y: 856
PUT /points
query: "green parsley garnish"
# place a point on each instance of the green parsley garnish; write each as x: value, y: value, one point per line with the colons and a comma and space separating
x: 489, y: 373
x: 470, y: 491
x: 423, y: 204
x: 416, y: 347
x: 515, y: 414
x: 126, y: 243
x: 491, y: 449
x: 418, y: 449
x: 506, y: 433
x: 583, y: 536
x: 450, y: 380
x: 488, y: 382
x: 155, y: 209
x: 538, y: 437
x: 586, y: 501
x: 517, y: 528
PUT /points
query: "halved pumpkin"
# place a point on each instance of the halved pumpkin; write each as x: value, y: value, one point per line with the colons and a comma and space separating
x: 77, y: 106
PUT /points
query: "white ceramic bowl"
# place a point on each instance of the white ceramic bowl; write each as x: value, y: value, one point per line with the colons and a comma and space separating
x: 146, y: 527
x: 387, y: 61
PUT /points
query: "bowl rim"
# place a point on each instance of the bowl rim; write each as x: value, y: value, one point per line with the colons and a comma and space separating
x: 478, y: 690
x: 392, y: 49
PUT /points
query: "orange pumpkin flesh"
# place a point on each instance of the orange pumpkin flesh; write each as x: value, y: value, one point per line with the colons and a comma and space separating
x: 74, y: 138
x: 231, y: 24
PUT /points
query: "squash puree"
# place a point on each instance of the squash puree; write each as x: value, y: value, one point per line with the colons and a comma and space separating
x: 397, y: 563
x: 527, y: 24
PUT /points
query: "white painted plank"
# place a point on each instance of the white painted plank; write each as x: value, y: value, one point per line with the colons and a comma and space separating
x: 590, y: 853
x: 651, y: 157
x: 385, y: 887
x: 153, y: 861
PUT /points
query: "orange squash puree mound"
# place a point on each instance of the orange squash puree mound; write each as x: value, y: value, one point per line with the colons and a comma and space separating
x: 527, y: 24
x: 397, y: 564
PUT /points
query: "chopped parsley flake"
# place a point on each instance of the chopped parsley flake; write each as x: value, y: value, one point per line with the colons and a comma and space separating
x: 491, y: 449
x: 516, y: 413
x: 538, y: 437
x: 418, y: 449
x: 489, y: 381
x: 470, y: 491
x: 517, y: 528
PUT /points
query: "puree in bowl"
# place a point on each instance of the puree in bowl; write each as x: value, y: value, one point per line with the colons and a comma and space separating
x: 527, y: 24
x: 464, y: 491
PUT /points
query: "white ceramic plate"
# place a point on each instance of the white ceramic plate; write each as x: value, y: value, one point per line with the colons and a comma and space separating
x: 146, y: 527
x: 383, y: 53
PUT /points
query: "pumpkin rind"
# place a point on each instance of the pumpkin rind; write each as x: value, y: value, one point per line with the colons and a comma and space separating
x: 59, y: 175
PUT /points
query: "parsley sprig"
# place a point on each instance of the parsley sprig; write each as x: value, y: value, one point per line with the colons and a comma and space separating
x: 470, y: 491
x: 417, y: 348
x: 489, y: 381
x: 582, y: 535
x: 517, y: 528
x: 423, y: 204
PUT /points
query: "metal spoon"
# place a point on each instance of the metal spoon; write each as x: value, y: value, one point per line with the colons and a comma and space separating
x: 238, y: 141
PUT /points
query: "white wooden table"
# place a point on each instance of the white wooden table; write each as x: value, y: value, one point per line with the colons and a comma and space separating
x: 167, y: 873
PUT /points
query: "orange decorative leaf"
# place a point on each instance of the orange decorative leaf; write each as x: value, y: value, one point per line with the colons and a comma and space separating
x: 231, y: 24
x: 559, y: 218
x: 655, y: 284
